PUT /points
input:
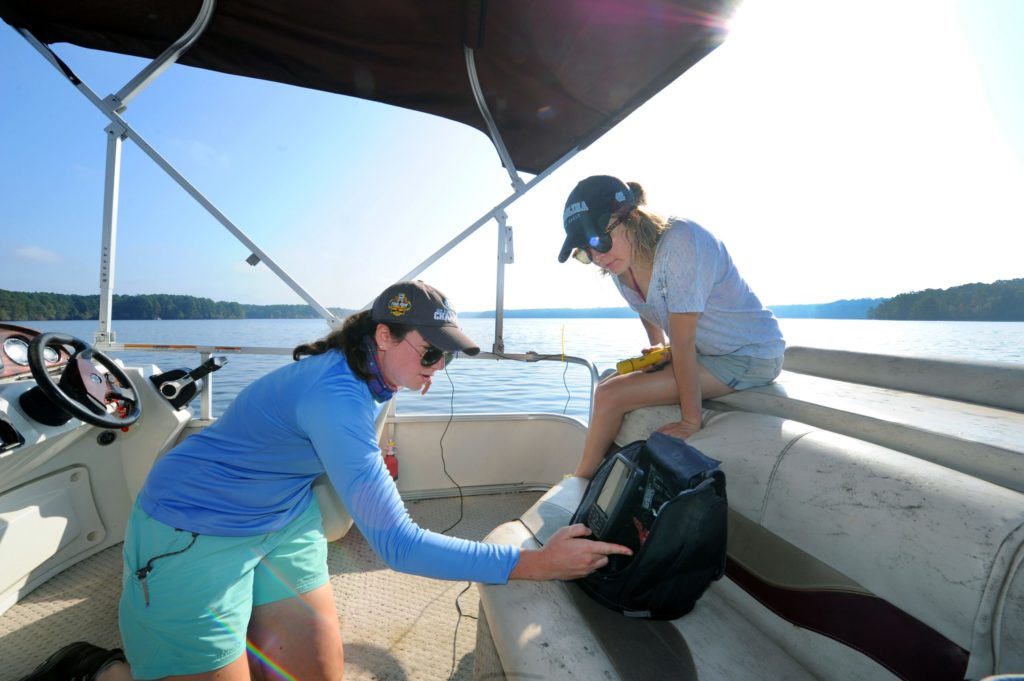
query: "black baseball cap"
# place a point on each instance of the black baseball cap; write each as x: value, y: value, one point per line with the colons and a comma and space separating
x: 424, y: 308
x: 589, y: 207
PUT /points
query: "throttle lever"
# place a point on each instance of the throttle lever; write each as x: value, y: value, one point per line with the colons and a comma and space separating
x: 207, y: 367
x: 179, y: 386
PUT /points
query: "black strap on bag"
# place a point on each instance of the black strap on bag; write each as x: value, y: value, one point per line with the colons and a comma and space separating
x: 666, y: 501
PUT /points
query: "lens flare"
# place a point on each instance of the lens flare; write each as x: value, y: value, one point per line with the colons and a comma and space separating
x: 253, y: 650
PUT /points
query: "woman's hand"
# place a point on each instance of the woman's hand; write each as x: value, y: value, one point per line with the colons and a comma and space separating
x: 680, y: 429
x: 665, y: 360
x: 567, y: 555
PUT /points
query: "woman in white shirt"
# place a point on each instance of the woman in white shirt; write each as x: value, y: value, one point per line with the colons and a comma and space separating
x: 681, y: 281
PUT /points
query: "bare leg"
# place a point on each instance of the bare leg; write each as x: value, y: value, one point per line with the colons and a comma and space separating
x: 300, y: 635
x: 621, y: 394
x: 119, y: 671
x: 235, y: 671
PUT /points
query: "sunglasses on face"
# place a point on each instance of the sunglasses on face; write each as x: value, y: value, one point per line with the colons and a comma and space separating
x: 601, y: 244
x: 432, y: 355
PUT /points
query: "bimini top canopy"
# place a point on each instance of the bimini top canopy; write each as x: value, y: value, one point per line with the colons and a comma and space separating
x: 554, y: 74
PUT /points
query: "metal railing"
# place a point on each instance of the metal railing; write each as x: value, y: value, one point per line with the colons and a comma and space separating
x: 205, y: 352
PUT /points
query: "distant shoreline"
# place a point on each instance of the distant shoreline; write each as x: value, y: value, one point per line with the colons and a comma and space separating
x: 1000, y: 301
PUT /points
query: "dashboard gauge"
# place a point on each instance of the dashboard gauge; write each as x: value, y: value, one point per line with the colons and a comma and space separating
x: 51, y: 354
x: 17, y: 350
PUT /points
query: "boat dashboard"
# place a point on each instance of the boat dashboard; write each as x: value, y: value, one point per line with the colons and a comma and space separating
x: 53, y: 380
x: 51, y: 383
x: 14, y: 344
x: 74, y: 451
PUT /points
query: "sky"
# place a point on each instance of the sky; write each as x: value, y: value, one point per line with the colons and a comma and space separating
x: 839, y: 148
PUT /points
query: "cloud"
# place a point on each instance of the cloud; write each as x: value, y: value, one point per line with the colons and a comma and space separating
x: 37, y: 255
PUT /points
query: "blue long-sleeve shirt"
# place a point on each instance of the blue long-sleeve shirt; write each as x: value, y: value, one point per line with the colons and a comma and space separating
x: 251, y: 472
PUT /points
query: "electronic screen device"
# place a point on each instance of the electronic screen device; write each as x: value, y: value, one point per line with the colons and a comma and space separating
x: 615, y: 501
x: 628, y: 503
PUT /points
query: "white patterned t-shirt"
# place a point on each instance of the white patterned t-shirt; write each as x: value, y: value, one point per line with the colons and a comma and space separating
x: 693, y: 272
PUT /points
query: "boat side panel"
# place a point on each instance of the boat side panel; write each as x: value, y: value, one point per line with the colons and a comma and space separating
x: 485, y: 450
x: 1009, y: 621
x: 90, y: 477
x: 45, y: 525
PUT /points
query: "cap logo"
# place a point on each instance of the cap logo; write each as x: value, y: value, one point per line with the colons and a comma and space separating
x: 399, y: 305
x: 620, y: 197
x: 444, y: 315
x: 573, y: 209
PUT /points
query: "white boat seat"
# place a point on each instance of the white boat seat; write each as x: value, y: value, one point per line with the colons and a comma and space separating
x: 982, y: 441
x: 552, y: 630
x: 847, y: 560
x: 337, y: 521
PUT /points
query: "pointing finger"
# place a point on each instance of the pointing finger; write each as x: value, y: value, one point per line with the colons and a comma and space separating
x: 605, y: 548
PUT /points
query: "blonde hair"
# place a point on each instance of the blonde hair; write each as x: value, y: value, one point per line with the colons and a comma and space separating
x: 643, y: 227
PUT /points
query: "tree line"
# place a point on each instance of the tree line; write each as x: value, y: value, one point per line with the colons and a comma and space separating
x: 17, y: 305
x: 1001, y: 301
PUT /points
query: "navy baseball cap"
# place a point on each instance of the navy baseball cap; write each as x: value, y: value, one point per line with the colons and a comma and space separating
x: 424, y: 308
x: 587, y: 210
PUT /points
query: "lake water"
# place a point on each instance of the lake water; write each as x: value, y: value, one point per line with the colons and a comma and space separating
x: 478, y: 386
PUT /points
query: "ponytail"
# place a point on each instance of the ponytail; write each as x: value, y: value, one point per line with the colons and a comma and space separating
x: 349, y: 340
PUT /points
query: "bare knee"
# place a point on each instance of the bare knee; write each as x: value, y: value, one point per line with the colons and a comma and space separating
x: 300, y: 635
x: 321, y: 659
x: 608, y: 399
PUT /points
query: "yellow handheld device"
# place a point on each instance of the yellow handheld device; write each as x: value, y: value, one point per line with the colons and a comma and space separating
x: 632, y: 364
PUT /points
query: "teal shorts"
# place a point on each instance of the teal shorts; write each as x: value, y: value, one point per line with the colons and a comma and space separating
x: 740, y: 372
x: 191, y: 613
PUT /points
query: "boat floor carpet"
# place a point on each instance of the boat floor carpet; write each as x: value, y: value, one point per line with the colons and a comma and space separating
x: 395, y: 627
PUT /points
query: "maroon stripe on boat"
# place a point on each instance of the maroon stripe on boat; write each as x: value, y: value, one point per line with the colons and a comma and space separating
x: 907, y: 647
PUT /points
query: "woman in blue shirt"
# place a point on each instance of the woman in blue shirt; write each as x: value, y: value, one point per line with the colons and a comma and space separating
x: 682, y: 282
x: 226, y: 541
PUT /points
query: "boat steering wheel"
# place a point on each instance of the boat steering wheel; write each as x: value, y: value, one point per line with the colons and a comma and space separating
x: 83, y: 391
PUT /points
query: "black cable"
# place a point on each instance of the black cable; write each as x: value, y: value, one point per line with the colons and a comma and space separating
x: 535, y: 538
x: 458, y: 606
x: 444, y: 465
x: 565, y: 370
x: 455, y: 638
x: 568, y: 393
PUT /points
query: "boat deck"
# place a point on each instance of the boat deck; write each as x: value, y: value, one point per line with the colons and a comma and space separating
x: 396, y: 627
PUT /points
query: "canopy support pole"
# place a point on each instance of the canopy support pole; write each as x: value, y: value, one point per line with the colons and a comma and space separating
x: 170, y: 56
x: 113, y: 105
x: 486, y: 217
x: 505, y: 257
x: 481, y: 103
x: 504, y: 231
x: 110, y: 107
x: 108, y: 250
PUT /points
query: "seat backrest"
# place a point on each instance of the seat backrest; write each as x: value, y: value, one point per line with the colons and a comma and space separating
x: 937, y: 544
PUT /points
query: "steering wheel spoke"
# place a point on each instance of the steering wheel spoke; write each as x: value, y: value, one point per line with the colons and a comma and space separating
x: 97, y: 390
x: 123, y: 400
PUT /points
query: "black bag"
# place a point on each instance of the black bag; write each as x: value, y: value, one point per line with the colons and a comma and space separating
x: 666, y: 501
